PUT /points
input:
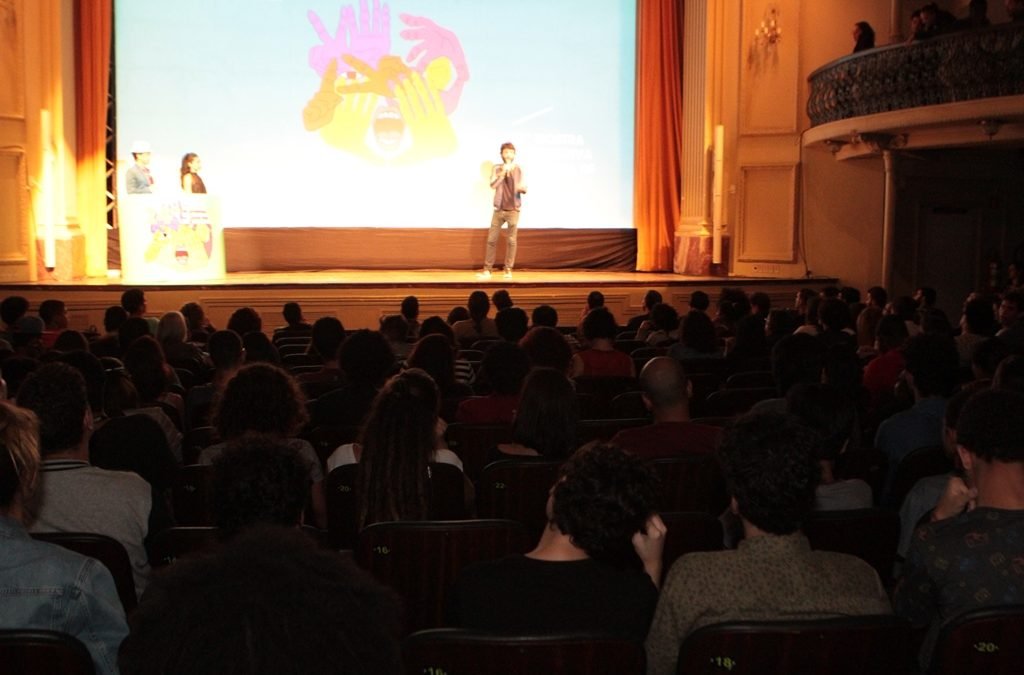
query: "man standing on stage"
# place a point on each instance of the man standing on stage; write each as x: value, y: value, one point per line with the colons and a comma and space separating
x: 138, y: 178
x: 507, y: 181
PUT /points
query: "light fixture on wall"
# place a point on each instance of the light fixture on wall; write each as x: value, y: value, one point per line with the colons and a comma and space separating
x: 767, y: 36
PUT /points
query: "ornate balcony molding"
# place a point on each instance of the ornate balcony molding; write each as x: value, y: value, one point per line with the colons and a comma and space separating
x: 954, y: 68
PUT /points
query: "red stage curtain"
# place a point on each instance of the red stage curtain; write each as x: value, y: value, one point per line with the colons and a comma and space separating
x: 659, y: 111
x: 94, y: 21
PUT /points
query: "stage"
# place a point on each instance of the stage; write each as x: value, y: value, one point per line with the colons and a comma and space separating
x: 360, y: 297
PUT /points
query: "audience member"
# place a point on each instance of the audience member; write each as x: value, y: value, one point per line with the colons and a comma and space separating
x: 968, y: 556
x: 54, y: 314
x: 267, y: 602
x: 545, y: 423
x: 826, y: 410
x: 771, y: 472
x: 602, y: 505
x: 697, y: 338
x: 295, y: 322
x: 601, y: 358
x: 328, y: 334
x: 651, y: 298
x: 1011, y: 320
x: 199, y: 327
x: 435, y: 356
x: 478, y: 326
x: 503, y: 370
x: 366, y: 360
x: 547, y: 348
x: 796, y: 359
x: 75, y: 496
x: 544, y: 315
x: 130, y: 330
x: 501, y: 300
x: 258, y: 480
x: 410, y: 311
x: 173, y: 336
x: 666, y: 395
x: 977, y: 324
x: 245, y: 320
x: 71, y: 341
x: 883, y: 371
x: 463, y: 368
x: 931, y: 374
x: 108, y: 343
x: 395, y: 330
x: 779, y: 324
x: 511, y: 323
x: 401, y: 437
x: 662, y: 328
x: 263, y: 398
x: 699, y: 301
x: 46, y: 586
x: 12, y: 308
x: 259, y: 348
x: 760, y: 305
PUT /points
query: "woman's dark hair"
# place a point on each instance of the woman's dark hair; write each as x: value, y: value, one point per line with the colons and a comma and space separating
x: 504, y: 368
x: 398, y: 442
x: 698, y: 332
x: 327, y: 335
x: 436, y: 325
x: 259, y: 349
x: 478, y: 306
x: 260, y: 397
x: 194, y: 315
x: 600, y: 324
x: 603, y: 497
x: 980, y: 317
x: 185, y: 161
x: 459, y: 313
x: 547, y: 414
x: 244, y: 320
x: 148, y: 367
x: 366, y: 358
x: 665, y: 317
x: 546, y: 347
x: 130, y: 330
x: 71, y: 341
x: 866, y: 39
x: 410, y: 307
x: 119, y: 394
x: 435, y: 356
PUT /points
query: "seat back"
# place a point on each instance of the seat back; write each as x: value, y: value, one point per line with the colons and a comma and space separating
x: 854, y: 646
x: 174, y: 542
x: 736, y: 401
x: 472, y: 443
x: 689, y: 532
x: 517, y: 490
x: 604, y: 430
x: 43, y: 652
x: 870, y: 534
x: 691, y: 483
x: 325, y: 439
x: 190, y: 495
x: 915, y: 465
x: 463, y: 652
x: 989, y: 641
x: 751, y: 378
x: 629, y: 404
x: 447, y: 500
x: 422, y: 559
x: 108, y: 551
x: 603, y: 389
x: 195, y: 441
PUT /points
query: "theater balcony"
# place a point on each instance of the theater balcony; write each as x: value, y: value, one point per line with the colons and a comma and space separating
x: 965, y: 89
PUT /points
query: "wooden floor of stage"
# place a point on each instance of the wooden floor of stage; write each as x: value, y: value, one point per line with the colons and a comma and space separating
x: 360, y: 297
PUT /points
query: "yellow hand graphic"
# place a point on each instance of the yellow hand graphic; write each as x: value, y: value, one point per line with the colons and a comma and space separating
x: 351, y: 121
x: 320, y: 109
x: 425, y: 117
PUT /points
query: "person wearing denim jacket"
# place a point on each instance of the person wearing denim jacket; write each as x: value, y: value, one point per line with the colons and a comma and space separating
x: 44, y: 586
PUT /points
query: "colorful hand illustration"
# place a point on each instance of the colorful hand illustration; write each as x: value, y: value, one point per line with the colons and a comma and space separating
x: 350, y: 123
x: 320, y: 109
x: 424, y: 114
x: 433, y: 43
x: 367, y: 41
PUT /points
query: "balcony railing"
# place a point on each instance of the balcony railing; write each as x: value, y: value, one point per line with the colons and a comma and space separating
x: 950, y: 68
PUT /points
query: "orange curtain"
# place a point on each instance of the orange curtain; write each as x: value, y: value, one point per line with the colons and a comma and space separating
x: 94, y: 21
x: 658, y: 155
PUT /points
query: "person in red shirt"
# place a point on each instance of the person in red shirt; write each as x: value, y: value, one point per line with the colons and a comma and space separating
x: 666, y: 394
x: 503, y: 369
x: 882, y: 373
x: 601, y: 358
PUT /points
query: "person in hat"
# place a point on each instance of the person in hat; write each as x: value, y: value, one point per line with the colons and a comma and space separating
x: 139, y: 180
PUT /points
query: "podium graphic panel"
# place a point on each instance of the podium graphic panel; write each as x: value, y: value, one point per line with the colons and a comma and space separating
x: 171, y: 239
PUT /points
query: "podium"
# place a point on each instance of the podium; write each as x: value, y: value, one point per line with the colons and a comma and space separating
x: 167, y: 238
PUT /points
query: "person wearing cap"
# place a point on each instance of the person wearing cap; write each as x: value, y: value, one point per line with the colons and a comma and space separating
x: 138, y: 179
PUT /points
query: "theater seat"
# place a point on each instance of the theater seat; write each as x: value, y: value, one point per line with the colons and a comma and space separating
x: 421, y: 560
x: 455, y: 651
x: 846, y: 646
x: 43, y: 652
x: 518, y: 490
x: 870, y: 534
x: 988, y: 641
x: 108, y: 551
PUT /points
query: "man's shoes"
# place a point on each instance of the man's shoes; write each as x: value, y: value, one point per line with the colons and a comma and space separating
x: 483, y: 274
x: 508, y: 273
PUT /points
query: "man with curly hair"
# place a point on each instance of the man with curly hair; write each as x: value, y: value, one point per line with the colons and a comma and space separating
x: 600, y: 508
x: 771, y: 471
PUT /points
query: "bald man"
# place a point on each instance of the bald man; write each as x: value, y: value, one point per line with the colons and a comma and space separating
x: 666, y: 395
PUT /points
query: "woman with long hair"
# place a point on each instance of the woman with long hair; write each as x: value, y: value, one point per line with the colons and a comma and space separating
x: 190, y: 180
x: 545, y: 424
x: 478, y: 326
x: 395, y: 449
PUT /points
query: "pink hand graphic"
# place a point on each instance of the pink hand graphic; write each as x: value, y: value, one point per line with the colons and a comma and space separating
x: 433, y: 43
x: 368, y: 41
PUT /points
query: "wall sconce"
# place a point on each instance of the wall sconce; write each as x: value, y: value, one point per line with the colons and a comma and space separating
x: 769, y: 33
x: 767, y: 36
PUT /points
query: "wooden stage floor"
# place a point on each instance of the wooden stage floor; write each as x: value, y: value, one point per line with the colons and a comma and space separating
x: 360, y: 297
